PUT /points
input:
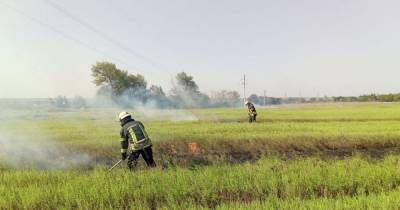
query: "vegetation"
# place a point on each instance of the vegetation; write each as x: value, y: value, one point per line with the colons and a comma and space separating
x: 131, y: 90
x: 370, y: 98
x: 264, y: 100
x: 304, y: 130
x: 332, y: 156
x: 275, y: 182
x: 107, y: 75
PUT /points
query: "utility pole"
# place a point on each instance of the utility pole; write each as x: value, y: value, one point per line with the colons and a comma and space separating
x: 265, y: 97
x: 285, y: 99
x: 244, y: 89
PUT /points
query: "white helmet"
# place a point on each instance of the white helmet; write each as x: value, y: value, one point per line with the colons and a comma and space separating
x: 123, y: 115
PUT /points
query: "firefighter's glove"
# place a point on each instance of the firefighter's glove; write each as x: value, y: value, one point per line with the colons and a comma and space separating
x: 124, y: 155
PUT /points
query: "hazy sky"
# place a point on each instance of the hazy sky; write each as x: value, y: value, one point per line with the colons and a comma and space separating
x: 307, y: 47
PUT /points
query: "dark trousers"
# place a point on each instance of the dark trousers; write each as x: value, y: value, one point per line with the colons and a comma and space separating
x: 252, y: 118
x: 147, y: 154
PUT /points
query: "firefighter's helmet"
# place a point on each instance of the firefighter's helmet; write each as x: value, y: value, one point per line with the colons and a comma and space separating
x: 124, y: 115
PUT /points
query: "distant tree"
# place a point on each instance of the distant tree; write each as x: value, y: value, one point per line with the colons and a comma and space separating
x: 136, y: 82
x: 225, y: 98
x: 136, y: 89
x: 202, y: 100
x: 186, y: 93
x: 365, y: 98
x: 107, y: 74
x: 123, y: 88
x: 187, y: 83
x: 78, y: 102
x: 233, y: 97
x: 276, y: 101
x: 253, y: 98
x: 61, y: 102
x: 157, y: 97
x: 104, y: 91
x: 396, y: 97
x: 386, y: 98
x: 119, y: 81
x: 156, y: 91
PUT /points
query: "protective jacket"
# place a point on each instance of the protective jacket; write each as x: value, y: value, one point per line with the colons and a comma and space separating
x: 252, y: 110
x: 133, y: 136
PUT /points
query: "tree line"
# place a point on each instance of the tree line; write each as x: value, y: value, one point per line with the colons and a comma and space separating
x: 119, y: 87
x: 132, y: 90
x: 369, y: 98
x: 265, y: 100
x: 261, y: 100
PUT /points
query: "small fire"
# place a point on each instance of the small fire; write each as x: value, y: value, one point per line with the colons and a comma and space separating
x: 193, y: 148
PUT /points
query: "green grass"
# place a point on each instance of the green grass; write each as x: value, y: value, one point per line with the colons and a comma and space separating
x: 385, y: 201
x: 268, y: 181
x: 308, y: 129
x: 285, y: 183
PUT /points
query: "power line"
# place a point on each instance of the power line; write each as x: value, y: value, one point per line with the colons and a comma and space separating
x: 102, y: 34
x: 64, y: 35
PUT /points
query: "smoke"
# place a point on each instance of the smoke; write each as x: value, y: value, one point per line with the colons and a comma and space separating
x: 172, y: 115
x: 151, y: 111
x: 24, y: 152
x: 181, y: 96
x: 167, y: 115
x: 155, y: 109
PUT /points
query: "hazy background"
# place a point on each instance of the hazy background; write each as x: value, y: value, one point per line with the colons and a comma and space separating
x: 306, y: 48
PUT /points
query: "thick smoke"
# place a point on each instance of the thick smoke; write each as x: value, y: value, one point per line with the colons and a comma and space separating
x: 24, y: 152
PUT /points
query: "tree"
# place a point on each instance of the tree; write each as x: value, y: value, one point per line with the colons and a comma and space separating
x: 78, y: 102
x: 119, y: 81
x: 158, y: 98
x: 186, y: 93
x: 61, y: 102
x: 386, y: 98
x: 136, y: 82
x: 187, y: 83
x: 156, y: 91
x: 254, y: 99
x: 123, y: 88
x: 107, y: 74
x: 225, y: 98
x: 136, y: 88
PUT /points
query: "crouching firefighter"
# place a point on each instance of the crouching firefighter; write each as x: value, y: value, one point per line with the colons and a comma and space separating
x: 134, y: 141
x: 252, y: 112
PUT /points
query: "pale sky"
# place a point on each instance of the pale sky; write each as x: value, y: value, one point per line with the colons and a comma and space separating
x: 297, y: 47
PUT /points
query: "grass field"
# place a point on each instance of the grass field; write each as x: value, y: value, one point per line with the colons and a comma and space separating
x: 326, y: 156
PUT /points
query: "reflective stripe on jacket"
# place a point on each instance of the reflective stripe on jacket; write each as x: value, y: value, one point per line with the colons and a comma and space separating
x: 252, y: 110
x: 134, y: 136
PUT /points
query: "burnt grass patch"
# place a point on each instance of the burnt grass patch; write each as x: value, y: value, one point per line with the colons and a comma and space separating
x: 192, y: 154
x: 236, y: 152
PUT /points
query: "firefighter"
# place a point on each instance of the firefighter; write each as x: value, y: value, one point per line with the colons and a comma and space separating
x: 252, y: 112
x: 134, y: 141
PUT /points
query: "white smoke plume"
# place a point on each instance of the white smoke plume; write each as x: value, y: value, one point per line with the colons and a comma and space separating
x: 23, y: 152
x: 150, y: 111
x: 172, y: 115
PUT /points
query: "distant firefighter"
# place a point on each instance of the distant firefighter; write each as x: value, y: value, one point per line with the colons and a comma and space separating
x: 252, y: 112
x: 134, y: 141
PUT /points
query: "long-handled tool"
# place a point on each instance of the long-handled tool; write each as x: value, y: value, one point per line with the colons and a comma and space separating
x: 115, y: 165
